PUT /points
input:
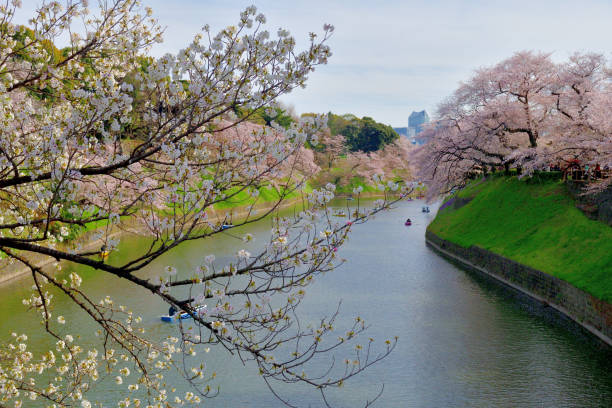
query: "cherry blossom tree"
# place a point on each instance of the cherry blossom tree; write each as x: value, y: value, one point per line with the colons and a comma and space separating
x: 98, y: 132
x: 392, y: 161
x: 332, y: 147
x: 526, y: 112
x: 583, y: 106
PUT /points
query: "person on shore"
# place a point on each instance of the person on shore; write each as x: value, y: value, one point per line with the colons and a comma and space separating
x: 597, y: 171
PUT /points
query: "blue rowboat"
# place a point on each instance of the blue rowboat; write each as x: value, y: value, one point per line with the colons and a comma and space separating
x: 178, y: 316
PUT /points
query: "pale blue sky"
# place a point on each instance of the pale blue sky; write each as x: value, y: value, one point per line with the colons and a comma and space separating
x: 393, y: 57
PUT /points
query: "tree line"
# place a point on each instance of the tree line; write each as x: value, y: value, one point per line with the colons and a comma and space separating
x: 365, y: 134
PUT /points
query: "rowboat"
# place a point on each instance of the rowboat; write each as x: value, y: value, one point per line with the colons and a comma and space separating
x: 179, y: 316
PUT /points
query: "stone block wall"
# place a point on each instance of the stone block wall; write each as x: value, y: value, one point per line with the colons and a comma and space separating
x: 595, y: 206
x: 586, y: 310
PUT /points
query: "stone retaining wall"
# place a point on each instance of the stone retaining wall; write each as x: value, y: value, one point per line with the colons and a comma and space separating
x: 595, y: 206
x: 591, y: 313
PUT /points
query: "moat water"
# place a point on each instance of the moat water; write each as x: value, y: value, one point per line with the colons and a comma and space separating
x: 463, y: 341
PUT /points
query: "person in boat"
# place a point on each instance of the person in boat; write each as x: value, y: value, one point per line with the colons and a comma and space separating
x: 408, y: 221
x: 103, y: 252
x: 172, y: 311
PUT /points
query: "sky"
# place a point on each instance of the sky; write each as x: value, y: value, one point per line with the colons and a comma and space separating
x: 392, y: 57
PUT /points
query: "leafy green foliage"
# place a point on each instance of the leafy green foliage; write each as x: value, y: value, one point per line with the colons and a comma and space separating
x: 536, y: 224
x: 363, y: 134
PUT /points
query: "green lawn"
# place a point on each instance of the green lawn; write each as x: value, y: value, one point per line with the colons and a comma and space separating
x: 266, y: 195
x: 357, y: 181
x: 536, y: 224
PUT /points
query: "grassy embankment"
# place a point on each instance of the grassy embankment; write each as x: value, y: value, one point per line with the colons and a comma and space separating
x: 343, y: 176
x: 266, y: 195
x: 354, y: 182
x: 239, y: 204
x: 535, y: 223
x: 369, y: 189
x: 239, y: 201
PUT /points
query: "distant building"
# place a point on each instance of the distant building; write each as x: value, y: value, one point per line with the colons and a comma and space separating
x: 416, y: 120
x: 402, y: 131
